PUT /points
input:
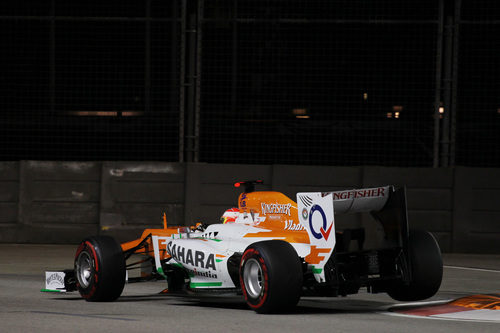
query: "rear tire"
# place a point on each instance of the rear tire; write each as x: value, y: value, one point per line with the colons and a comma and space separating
x: 426, y: 265
x: 271, y: 276
x: 100, y: 269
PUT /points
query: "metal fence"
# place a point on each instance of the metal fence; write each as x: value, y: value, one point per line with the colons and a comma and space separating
x: 477, y: 79
x: 319, y: 82
x: 90, y: 80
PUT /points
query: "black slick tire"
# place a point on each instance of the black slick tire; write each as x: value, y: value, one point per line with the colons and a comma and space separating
x: 271, y: 276
x: 100, y: 269
x: 426, y: 266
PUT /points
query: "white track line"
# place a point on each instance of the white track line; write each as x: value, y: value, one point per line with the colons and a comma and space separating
x: 478, y: 316
x: 395, y: 314
x: 414, y: 304
x: 474, y: 269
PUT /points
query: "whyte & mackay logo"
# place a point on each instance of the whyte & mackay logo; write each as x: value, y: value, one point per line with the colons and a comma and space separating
x: 55, y: 278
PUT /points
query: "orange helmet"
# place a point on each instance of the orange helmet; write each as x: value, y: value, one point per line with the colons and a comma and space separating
x: 230, y: 215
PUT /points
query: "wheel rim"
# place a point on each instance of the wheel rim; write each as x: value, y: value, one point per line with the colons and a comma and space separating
x: 85, y: 268
x: 252, y: 277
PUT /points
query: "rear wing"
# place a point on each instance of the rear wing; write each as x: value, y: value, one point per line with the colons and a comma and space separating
x: 361, y: 200
x: 386, y: 204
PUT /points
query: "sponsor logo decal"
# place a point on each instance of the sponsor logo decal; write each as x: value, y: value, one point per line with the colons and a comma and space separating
x: 355, y: 194
x: 191, y: 257
x: 289, y: 225
x: 194, y: 272
x: 56, y: 279
x: 243, y: 203
x: 275, y: 208
x: 305, y: 214
x: 323, y: 232
x: 317, y: 255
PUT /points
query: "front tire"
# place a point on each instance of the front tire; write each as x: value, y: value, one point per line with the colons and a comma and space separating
x: 100, y: 269
x: 271, y: 276
x: 426, y: 265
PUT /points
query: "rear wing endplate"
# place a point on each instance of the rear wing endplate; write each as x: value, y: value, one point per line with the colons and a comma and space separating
x: 317, y: 210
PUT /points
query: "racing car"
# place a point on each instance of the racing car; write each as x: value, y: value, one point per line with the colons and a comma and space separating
x: 271, y: 251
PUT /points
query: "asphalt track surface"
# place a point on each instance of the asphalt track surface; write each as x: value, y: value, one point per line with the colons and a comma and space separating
x: 23, y: 308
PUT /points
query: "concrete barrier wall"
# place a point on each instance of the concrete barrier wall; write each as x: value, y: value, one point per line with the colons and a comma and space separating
x: 58, y: 201
x: 62, y: 202
x: 476, y: 220
x: 9, y: 199
x: 135, y: 195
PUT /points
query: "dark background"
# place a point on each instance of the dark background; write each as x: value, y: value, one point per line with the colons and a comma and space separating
x: 218, y: 81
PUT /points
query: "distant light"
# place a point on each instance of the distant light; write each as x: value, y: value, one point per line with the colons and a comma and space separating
x: 105, y: 113
x: 300, y: 113
x: 396, y: 115
x: 397, y: 108
x: 441, y: 112
x: 94, y: 113
x: 498, y: 111
x: 389, y: 114
x: 365, y: 96
x: 131, y: 113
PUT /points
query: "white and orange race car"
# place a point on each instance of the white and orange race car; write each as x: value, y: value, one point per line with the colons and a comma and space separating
x: 271, y: 250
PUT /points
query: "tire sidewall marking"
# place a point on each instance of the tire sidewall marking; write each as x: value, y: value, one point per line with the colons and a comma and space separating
x: 255, y: 303
x: 91, y: 289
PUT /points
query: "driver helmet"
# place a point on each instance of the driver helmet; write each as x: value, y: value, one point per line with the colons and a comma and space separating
x: 230, y: 215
